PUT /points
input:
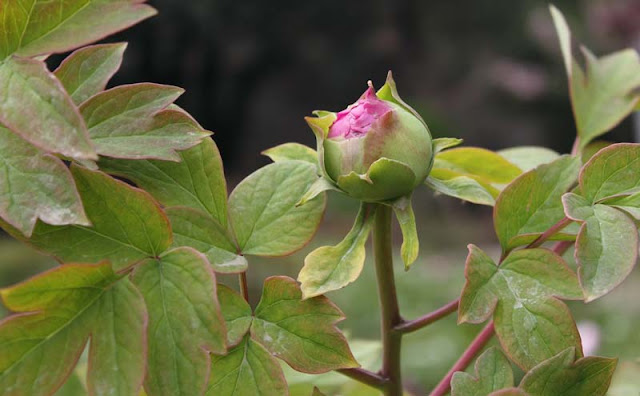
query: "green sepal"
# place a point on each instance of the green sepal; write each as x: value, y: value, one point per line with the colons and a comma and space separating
x: 410, y: 243
x: 389, y: 92
x: 441, y: 144
x: 385, y: 178
x: 318, y: 187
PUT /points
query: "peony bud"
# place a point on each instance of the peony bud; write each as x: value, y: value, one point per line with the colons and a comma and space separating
x: 377, y: 149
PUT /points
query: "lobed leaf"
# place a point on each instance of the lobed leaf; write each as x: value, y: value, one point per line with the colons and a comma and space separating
x: 604, y: 93
x: 197, y: 181
x: 300, y: 332
x: 87, y: 71
x: 560, y: 375
x: 247, y: 369
x: 492, y: 372
x: 57, y: 311
x: 331, y: 268
x: 39, y: 27
x: 194, y: 228
x: 263, y: 209
x: 530, y: 322
x: 35, y: 185
x: 292, y: 152
x: 613, y: 171
x: 532, y: 203
x: 35, y: 106
x: 128, y: 225
x: 132, y: 121
x: 185, y: 322
x: 236, y: 312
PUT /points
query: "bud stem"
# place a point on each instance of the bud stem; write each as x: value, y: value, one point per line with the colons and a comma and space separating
x: 389, y: 310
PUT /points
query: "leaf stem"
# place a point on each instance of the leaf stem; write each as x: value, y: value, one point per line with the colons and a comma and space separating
x: 366, y: 377
x: 244, y: 287
x: 425, y: 320
x: 389, y: 310
x: 561, y: 247
x: 565, y: 221
x: 467, y: 357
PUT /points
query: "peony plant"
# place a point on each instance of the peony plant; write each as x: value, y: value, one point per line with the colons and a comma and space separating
x: 138, y: 287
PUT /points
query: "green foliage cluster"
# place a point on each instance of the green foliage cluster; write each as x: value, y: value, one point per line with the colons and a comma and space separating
x: 137, y: 280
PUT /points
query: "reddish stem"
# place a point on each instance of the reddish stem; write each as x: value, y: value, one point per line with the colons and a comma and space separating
x: 244, y: 287
x: 548, y: 233
x: 425, y: 320
x: 467, y: 357
x: 366, y: 377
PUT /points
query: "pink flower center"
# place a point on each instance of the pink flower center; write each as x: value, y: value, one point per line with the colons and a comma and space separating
x: 356, y: 120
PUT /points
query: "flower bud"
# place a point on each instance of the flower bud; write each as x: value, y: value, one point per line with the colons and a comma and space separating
x: 376, y: 149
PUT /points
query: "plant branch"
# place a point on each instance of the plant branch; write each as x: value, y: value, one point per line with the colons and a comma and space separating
x: 425, y: 320
x: 244, y: 287
x: 548, y: 233
x: 561, y: 247
x: 389, y: 310
x: 366, y: 377
x: 467, y: 357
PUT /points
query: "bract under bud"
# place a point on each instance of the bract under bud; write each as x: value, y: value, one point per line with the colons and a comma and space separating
x: 376, y: 149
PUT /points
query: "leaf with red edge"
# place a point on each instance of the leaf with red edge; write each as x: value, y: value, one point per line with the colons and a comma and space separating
x: 492, y: 372
x: 530, y: 322
x: 87, y: 71
x: 57, y: 311
x: 35, y: 106
x: 300, y: 332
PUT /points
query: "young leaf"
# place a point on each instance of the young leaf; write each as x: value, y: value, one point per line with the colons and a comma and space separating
x: 463, y: 187
x: 410, y: 244
x: 530, y: 322
x: 185, y: 321
x: 197, y: 181
x: 611, y: 172
x: 57, y: 311
x: 128, y: 225
x: 606, y: 247
x: 532, y: 203
x: 487, y: 166
x: 247, y: 369
x: 194, y: 228
x: 331, y: 268
x: 35, y: 106
x: 263, y: 209
x: 292, y: 152
x: 529, y: 157
x: 560, y: 375
x: 442, y: 144
x: 37, y: 27
x: 603, y: 94
x: 132, y: 121
x: 236, y: 312
x: 35, y: 185
x: 493, y: 372
x: 87, y: 71
x: 300, y: 332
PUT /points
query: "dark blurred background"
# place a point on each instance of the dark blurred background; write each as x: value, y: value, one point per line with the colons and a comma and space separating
x: 486, y: 71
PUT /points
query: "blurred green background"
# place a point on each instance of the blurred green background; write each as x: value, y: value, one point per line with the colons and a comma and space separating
x: 487, y: 71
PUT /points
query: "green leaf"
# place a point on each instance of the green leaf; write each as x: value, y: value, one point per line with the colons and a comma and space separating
x: 509, y: 392
x: 38, y: 27
x: 128, y: 225
x: 236, y: 312
x: 318, y: 187
x: 56, y: 313
x: 300, y: 332
x: 606, y: 247
x: 247, y: 369
x: 529, y: 157
x: 630, y: 204
x: 605, y: 93
x: 292, y: 152
x: 197, y: 181
x: 132, y: 121
x: 185, y: 322
x: 317, y: 392
x: 474, y: 162
x: 462, y: 187
x: 611, y: 172
x: 331, y: 268
x: 263, y: 209
x: 442, y: 144
x: 532, y: 203
x: 410, y: 244
x: 194, y: 228
x: 87, y: 71
x: 530, y: 322
x: 493, y: 372
x: 35, y: 106
x: 35, y: 185
x: 560, y: 375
